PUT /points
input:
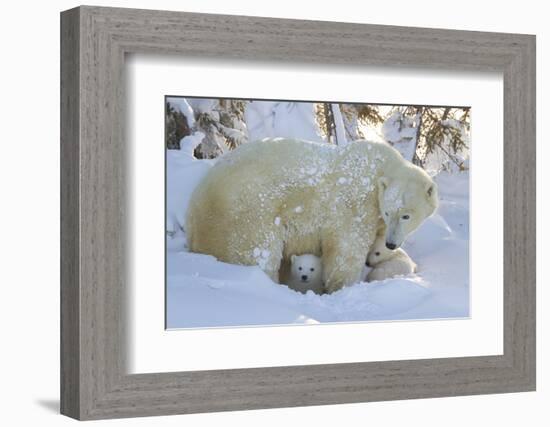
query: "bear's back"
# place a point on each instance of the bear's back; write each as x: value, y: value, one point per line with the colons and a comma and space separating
x: 269, y: 167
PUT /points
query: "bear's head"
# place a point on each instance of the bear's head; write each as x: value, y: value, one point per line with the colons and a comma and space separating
x: 405, y: 200
x: 306, y: 268
x: 379, y: 252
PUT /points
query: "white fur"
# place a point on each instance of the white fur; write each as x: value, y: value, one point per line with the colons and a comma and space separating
x: 306, y: 273
x: 386, y: 263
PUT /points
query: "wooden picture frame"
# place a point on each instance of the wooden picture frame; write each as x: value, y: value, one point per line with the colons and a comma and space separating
x: 94, y: 382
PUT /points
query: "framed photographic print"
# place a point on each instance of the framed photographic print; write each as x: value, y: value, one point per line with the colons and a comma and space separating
x: 299, y: 194
x: 345, y: 212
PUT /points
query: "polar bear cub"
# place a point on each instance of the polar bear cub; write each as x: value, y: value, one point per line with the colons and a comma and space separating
x: 386, y: 263
x: 306, y: 272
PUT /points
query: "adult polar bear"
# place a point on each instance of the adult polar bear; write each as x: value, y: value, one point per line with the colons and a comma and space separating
x: 270, y: 199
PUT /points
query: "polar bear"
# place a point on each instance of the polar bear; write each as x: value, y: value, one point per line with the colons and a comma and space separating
x: 386, y: 263
x: 306, y: 273
x: 269, y: 199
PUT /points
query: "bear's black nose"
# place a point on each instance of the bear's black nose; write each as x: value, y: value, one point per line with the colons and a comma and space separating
x: 304, y: 277
x: 391, y: 246
x: 367, y: 264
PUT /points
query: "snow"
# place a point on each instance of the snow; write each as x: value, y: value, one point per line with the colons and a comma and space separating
x: 202, y: 105
x: 181, y: 105
x: 400, y: 131
x: 204, y: 292
x: 281, y: 119
x: 183, y: 173
x: 189, y: 143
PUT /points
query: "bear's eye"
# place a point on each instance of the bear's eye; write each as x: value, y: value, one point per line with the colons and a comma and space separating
x: 385, y: 213
x: 311, y: 269
x: 377, y: 253
x: 405, y: 217
x: 300, y: 268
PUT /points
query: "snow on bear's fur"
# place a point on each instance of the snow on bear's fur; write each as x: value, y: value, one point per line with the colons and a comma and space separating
x: 306, y: 273
x: 270, y: 199
x: 386, y: 263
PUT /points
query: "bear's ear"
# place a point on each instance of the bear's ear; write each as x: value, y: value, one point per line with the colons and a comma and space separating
x: 431, y: 194
x: 383, y: 183
x: 431, y: 190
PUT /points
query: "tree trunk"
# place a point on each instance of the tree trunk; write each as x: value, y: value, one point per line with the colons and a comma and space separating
x: 416, y: 158
x: 329, y: 124
x: 339, y: 128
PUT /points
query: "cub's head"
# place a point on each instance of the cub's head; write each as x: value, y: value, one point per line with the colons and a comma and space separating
x: 405, y: 201
x: 379, y: 252
x: 306, y: 268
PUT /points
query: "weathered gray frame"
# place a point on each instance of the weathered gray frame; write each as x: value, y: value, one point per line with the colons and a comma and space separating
x: 94, y: 41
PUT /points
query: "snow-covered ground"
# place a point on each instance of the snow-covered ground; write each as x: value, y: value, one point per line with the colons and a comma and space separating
x: 203, y: 292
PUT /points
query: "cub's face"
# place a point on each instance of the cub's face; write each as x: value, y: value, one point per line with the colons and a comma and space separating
x: 378, y: 252
x: 306, y: 268
x: 404, y: 205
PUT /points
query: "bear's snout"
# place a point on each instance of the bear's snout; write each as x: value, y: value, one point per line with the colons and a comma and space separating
x: 304, y: 277
x: 391, y: 246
